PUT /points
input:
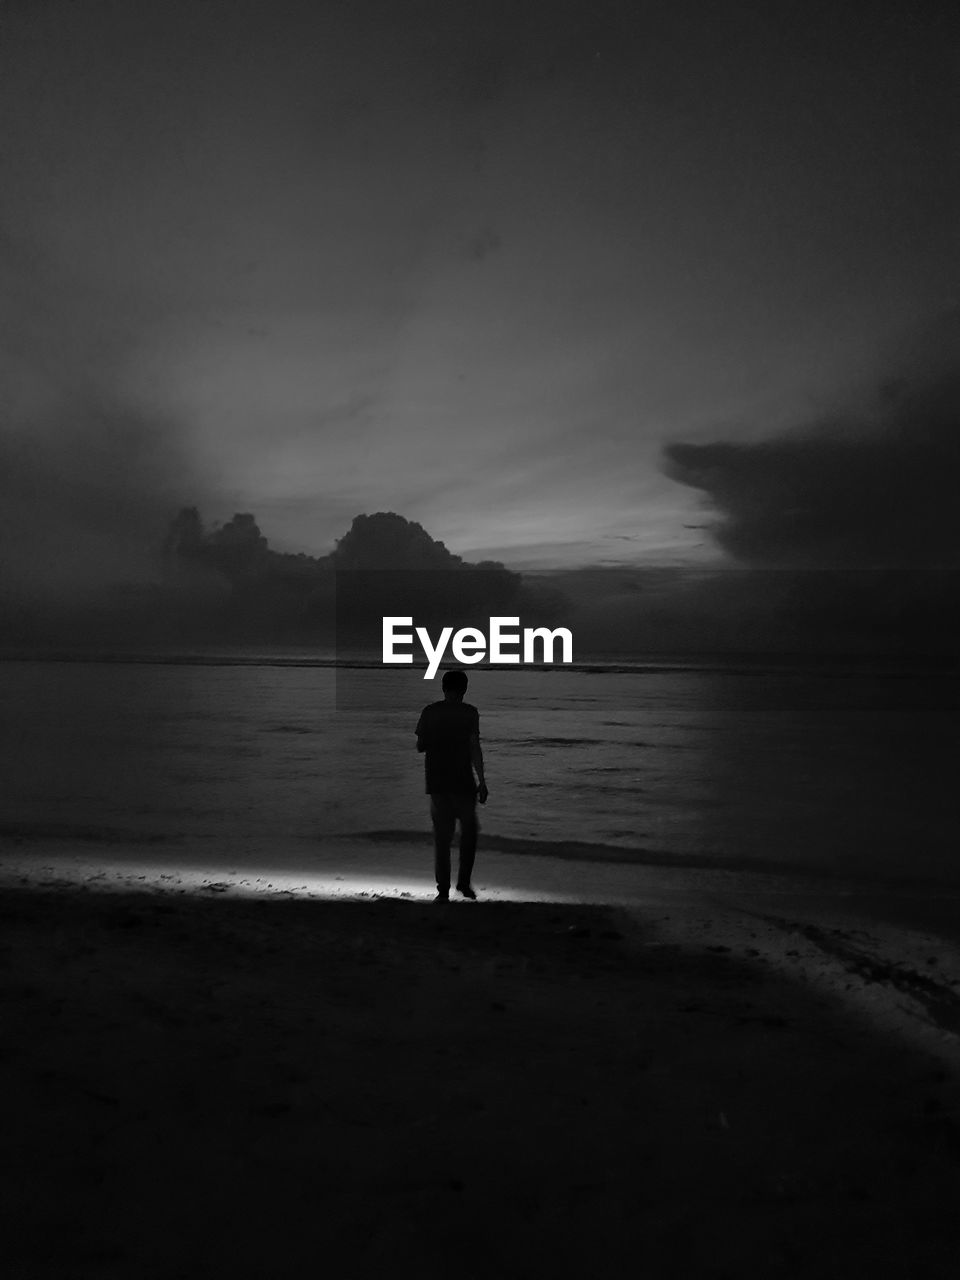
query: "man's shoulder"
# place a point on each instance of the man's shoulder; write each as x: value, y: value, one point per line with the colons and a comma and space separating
x: 467, y: 711
x: 454, y: 708
x: 450, y: 713
x: 431, y: 708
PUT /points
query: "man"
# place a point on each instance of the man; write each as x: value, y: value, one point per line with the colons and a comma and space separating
x: 449, y: 734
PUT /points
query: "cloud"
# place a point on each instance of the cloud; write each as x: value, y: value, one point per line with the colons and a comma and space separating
x: 870, y: 487
x: 80, y: 503
x: 88, y: 476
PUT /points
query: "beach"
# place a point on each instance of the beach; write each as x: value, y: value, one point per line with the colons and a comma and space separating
x: 209, y: 1077
x: 703, y: 1021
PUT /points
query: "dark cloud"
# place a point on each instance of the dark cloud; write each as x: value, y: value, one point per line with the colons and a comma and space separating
x: 873, y: 488
x: 80, y: 504
x: 635, y: 613
x: 88, y: 476
x: 237, y: 588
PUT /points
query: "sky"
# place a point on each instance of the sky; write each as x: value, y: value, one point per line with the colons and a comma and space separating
x: 547, y: 278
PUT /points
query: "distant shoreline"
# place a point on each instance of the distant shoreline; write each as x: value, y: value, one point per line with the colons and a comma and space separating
x: 727, y: 664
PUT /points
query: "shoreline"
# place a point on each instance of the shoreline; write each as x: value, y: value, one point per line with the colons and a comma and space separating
x: 411, y: 846
x: 886, y: 955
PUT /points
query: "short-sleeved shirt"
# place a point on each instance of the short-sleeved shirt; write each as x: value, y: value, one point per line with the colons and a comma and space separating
x: 445, y: 729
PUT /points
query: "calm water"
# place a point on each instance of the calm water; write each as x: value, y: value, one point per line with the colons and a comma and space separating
x: 816, y: 770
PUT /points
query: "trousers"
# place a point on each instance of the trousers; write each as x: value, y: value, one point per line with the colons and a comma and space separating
x: 446, y: 809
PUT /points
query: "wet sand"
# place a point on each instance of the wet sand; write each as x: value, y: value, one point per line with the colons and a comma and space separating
x: 200, y: 1083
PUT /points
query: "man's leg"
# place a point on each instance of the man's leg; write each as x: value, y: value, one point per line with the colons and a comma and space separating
x: 469, y: 829
x: 443, y: 816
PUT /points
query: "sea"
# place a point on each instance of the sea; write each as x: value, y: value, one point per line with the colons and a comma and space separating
x: 800, y: 767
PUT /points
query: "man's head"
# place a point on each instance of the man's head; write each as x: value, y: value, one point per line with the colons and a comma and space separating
x: 454, y: 685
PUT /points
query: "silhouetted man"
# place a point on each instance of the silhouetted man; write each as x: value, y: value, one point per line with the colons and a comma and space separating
x: 449, y: 733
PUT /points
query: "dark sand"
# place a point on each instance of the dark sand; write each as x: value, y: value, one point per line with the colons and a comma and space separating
x: 206, y: 1087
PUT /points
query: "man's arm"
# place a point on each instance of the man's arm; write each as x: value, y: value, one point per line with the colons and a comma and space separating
x: 476, y: 759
